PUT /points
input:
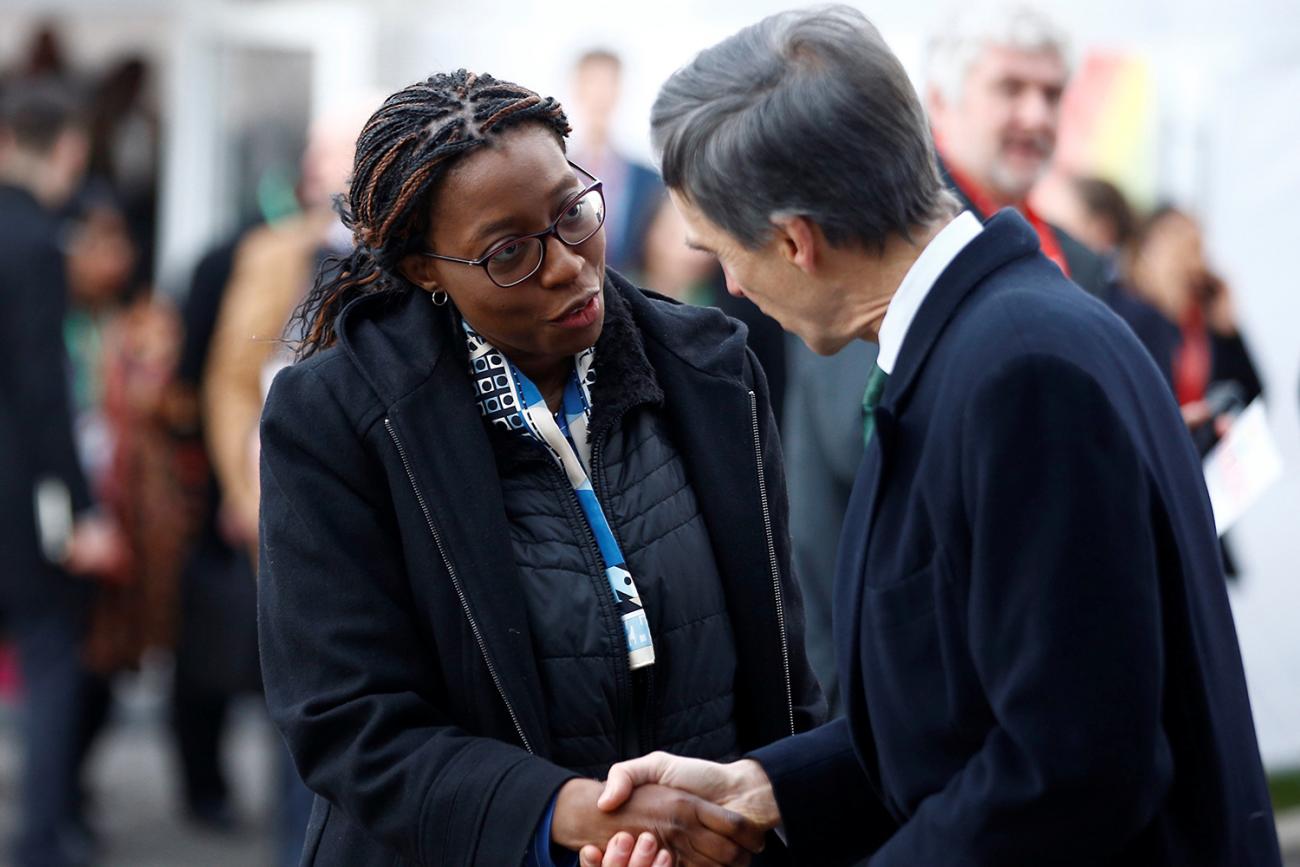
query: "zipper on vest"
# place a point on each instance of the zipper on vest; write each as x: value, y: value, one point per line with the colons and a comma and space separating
x: 455, y: 581
x: 772, y: 560
x: 629, y: 728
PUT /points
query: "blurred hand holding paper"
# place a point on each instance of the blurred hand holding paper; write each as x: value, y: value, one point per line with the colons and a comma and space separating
x: 1243, y: 465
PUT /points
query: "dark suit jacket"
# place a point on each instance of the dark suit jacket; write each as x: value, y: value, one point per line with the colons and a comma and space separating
x: 1038, y: 658
x: 36, y: 433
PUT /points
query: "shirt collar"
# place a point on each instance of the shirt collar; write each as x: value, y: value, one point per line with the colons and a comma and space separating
x: 934, y: 259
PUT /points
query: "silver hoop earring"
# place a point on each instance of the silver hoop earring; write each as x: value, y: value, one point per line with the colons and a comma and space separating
x: 438, y: 297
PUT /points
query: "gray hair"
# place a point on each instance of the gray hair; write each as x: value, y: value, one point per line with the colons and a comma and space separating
x: 974, y: 26
x: 805, y: 113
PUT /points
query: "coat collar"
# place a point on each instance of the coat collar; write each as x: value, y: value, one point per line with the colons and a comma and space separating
x: 1006, y: 237
x: 395, y: 339
x: 624, y: 376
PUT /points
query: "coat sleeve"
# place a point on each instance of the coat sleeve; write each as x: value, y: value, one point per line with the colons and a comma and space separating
x: 808, y: 703
x: 1064, y: 630
x: 350, y: 680
x: 804, y: 770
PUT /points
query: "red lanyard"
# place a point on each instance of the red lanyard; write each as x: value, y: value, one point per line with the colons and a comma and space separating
x: 984, y: 203
x: 1192, y: 359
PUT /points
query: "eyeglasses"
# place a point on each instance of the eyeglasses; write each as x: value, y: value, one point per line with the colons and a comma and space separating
x: 515, y: 260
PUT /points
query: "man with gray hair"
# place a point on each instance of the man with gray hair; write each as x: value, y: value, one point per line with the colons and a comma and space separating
x: 996, y: 72
x: 1037, y: 656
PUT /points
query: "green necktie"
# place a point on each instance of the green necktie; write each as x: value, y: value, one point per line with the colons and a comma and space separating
x: 870, y: 398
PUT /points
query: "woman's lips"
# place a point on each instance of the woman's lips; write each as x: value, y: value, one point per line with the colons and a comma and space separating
x: 580, y: 315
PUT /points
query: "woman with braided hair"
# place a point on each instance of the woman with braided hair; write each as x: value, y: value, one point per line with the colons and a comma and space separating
x: 520, y: 519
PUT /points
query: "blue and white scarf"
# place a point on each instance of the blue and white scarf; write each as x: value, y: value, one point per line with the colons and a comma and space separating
x: 509, y: 399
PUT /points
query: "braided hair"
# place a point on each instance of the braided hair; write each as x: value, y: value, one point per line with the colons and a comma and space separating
x: 403, y: 151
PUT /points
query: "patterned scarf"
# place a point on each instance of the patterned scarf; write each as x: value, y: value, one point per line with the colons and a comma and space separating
x: 509, y: 399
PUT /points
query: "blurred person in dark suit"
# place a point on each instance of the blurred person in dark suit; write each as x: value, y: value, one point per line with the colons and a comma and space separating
x: 996, y: 72
x: 633, y: 191
x: 42, y: 157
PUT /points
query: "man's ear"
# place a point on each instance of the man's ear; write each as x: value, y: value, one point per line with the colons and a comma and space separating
x: 419, y: 270
x: 799, y: 241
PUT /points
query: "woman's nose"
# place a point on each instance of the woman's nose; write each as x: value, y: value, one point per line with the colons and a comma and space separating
x: 561, y: 264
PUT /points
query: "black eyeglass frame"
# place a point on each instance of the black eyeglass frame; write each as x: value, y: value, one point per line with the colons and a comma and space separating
x: 597, y: 186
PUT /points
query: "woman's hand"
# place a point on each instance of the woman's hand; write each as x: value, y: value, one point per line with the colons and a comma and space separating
x: 695, y: 831
x: 623, y: 851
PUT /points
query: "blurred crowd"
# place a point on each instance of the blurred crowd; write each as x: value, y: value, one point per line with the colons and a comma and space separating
x: 128, y: 420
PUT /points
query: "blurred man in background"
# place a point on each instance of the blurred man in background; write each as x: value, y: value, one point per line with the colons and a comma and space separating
x: 995, y: 77
x: 49, y: 528
x: 633, y: 192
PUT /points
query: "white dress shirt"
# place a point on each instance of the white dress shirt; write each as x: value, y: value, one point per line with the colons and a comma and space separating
x: 920, y: 278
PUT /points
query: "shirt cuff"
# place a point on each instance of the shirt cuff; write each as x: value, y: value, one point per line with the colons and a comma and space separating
x: 542, y: 853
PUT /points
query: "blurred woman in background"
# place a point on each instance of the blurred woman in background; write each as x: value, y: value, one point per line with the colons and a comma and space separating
x: 1189, y: 324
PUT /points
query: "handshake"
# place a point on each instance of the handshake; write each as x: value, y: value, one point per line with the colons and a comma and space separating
x: 662, y: 810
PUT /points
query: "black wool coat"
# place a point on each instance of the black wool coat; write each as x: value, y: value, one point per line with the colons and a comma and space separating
x: 396, y: 649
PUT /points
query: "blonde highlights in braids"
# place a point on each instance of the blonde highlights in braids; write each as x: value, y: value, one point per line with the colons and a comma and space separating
x: 402, y: 153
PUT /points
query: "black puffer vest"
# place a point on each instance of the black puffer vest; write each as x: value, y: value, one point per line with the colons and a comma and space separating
x: 602, y: 711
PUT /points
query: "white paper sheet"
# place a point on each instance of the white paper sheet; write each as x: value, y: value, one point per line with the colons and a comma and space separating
x: 1242, y: 466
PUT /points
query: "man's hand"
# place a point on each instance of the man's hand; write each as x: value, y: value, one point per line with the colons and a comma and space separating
x: 742, y: 787
x: 693, y: 830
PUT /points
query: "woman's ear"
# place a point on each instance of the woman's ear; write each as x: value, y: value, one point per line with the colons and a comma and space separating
x: 419, y: 270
